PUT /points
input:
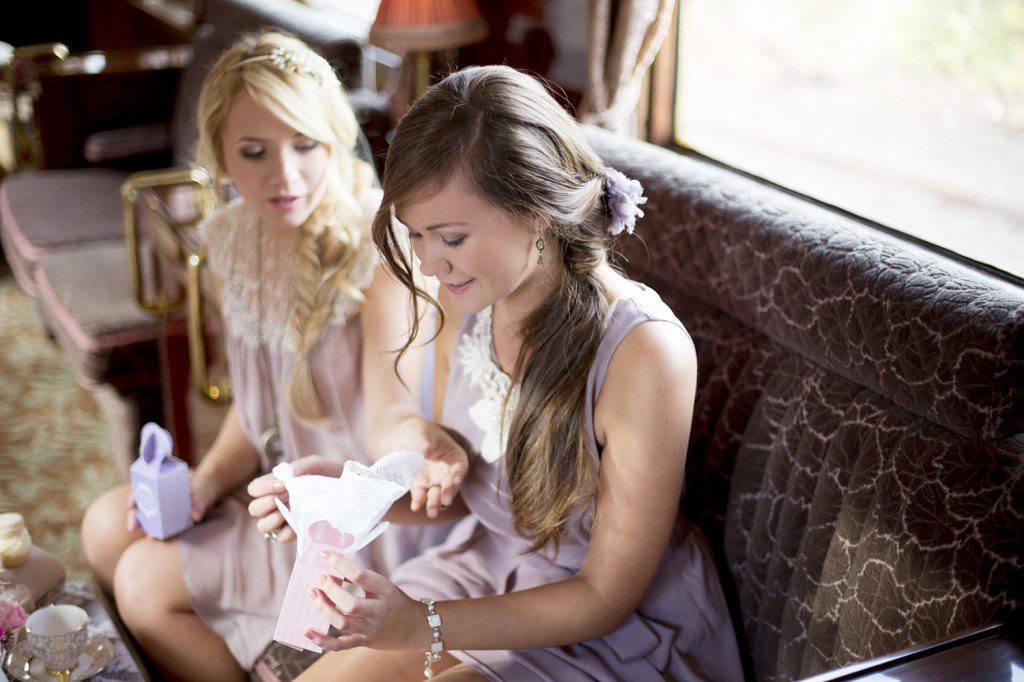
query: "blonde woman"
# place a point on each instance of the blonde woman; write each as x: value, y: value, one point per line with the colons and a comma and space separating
x: 574, y: 388
x: 310, y: 317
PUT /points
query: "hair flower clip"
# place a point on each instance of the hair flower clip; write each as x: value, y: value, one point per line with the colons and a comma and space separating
x: 624, y: 196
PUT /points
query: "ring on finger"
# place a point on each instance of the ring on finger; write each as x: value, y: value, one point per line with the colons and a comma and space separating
x: 439, y: 488
x: 270, y: 536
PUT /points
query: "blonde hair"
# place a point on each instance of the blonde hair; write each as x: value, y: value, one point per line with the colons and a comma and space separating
x: 282, y: 74
x: 516, y: 147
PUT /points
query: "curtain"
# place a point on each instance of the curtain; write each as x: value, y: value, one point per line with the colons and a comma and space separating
x: 620, y: 49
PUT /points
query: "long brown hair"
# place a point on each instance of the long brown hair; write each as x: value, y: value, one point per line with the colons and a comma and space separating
x: 519, y: 149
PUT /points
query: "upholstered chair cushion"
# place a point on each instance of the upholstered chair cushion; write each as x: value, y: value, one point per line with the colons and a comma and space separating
x: 42, y: 212
x: 103, y: 329
x: 116, y: 349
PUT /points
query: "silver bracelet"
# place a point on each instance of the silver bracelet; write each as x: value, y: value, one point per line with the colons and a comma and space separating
x: 437, y: 646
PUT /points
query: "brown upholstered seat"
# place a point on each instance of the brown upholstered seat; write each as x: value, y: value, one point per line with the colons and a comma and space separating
x: 857, y: 455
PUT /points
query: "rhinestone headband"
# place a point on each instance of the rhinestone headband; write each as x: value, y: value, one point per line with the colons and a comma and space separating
x: 307, y: 63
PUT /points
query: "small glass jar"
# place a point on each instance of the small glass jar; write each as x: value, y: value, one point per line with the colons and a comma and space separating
x: 15, y: 542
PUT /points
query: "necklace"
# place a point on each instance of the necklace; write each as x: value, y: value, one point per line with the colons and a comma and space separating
x: 270, y: 439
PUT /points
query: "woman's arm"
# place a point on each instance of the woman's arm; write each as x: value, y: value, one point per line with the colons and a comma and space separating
x: 643, y: 418
x: 391, y: 398
x: 230, y: 461
x: 394, y: 416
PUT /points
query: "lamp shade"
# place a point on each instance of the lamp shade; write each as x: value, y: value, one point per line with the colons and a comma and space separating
x: 427, y: 25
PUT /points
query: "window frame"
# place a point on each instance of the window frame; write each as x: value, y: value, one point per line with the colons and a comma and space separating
x: 656, y: 121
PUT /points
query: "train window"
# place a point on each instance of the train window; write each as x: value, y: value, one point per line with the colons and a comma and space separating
x: 909, y: 113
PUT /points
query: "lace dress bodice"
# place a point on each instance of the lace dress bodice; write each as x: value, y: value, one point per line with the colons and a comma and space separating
x: 258, y: 272
x: 492, y: 413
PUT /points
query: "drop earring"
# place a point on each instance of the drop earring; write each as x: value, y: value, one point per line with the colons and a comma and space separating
x: 540, y: 250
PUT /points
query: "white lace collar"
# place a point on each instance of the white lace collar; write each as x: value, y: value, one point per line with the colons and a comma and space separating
x: 493, y: 412
x: 259, y: 278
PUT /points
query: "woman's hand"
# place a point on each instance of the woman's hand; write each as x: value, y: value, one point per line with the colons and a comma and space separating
x: 204, y: 493
x: 268, y: 487
x: 386, y: 618
x: 131, y: 515
x: 438, y: 482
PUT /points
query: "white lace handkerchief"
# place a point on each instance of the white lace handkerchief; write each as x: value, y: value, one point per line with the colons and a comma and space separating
x: 354, y: 503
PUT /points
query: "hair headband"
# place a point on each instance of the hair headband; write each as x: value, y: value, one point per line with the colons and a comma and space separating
x: 305, y: 62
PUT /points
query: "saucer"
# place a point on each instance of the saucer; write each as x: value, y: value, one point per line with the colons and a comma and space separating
x: 20, y: 664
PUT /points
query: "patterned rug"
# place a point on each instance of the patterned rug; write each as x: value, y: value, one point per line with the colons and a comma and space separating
x: 54, y: 441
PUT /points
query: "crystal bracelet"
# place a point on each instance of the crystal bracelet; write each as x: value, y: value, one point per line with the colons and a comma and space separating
x: 436, y: 646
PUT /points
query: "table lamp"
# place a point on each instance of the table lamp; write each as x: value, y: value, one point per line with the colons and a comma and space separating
x: 418, y: 28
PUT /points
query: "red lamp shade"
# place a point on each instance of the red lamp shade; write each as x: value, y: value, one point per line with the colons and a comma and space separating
x: 427, y: 25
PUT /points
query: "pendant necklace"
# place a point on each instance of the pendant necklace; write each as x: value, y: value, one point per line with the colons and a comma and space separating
x: 270, y: 439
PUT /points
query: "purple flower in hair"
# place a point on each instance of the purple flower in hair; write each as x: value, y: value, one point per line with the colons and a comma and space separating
x: 624, y: 196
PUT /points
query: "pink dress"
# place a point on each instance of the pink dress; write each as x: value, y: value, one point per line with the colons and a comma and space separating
x: 235, y: 578
x: 681, y: 629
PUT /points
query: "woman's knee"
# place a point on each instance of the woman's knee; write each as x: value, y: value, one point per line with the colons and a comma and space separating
x: 148, y: 582
x: 104, y: 530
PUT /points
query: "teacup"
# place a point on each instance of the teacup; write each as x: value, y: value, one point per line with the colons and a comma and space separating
x: 57, y: 635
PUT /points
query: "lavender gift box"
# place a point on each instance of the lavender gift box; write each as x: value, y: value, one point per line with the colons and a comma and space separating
x: 163, y: 502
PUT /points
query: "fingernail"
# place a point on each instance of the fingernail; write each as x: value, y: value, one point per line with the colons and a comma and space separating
x: 312, y: 594
x: 325, y: 555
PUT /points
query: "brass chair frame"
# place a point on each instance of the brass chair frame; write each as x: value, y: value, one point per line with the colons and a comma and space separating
x: 26, y: 146
x: 175, y: 245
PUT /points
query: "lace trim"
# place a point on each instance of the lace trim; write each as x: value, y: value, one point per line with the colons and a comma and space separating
x: 234, y: 257
x: 492, y: 413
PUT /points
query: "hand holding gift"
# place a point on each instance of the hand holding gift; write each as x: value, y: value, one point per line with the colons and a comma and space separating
x: 338, y: 514
x: 160, y: 488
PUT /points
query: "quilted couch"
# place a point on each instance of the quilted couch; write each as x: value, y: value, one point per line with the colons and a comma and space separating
x: 857, y: 457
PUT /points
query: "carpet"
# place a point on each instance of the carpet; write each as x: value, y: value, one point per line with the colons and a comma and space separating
x: 54, y: 440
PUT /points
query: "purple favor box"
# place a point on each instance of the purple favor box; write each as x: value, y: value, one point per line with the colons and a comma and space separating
x: 163, y: 502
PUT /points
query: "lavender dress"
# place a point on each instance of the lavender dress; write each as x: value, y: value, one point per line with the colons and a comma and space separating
x: 681, y: 629
x: 235, y: 579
